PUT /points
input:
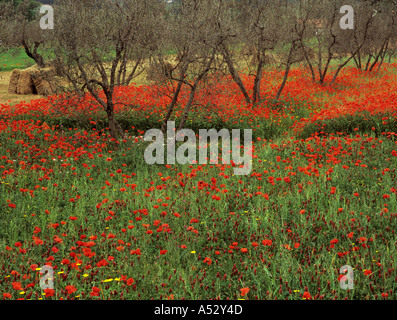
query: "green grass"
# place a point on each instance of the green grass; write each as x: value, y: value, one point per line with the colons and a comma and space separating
x: 14, y: 59
x: 181, y: 271
x: 240, y: 216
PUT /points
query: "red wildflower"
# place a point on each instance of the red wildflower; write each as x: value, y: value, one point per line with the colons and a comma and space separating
x: 244, y: 291
x: 307, y: 296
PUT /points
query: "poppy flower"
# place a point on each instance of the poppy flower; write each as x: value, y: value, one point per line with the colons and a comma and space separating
x: 17, y: 286
x: 49, y: 292
x: 307, y: 296
x: 70, y: 289
x: 137, y: 252
x: 367, y: 272
x: 244, y: 291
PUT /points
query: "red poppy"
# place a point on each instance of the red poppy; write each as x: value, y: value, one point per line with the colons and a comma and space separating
x: 307, y: 296
x: 49, y: 292
x: 244, y: 291
x: 17, y: 286
x: 70, y: 289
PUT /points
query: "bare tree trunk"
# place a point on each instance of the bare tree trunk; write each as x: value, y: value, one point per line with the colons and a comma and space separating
x: 380, y: 53
x: 307, y: 58
x: 357, y: 60
x: 324, y: 73
x: 188, y: 106
x: 339, y: 69
x: 320, y: 62
x: 115, y: 129
x: 234, y: 73
x: 287, y: 69
x: 171, y: 106
x: 368, y: 61
x: 257, y: 81
x: 382, y: 58
x: 391, y: 54
x: 38, y: 58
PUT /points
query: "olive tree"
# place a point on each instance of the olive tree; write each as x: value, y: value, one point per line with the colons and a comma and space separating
x: 253, y: 29
x: 100, y: 45
x: 190, y: 32
x: 19, y: 27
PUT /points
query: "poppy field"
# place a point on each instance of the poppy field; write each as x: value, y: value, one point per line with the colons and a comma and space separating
x: 322, y: 194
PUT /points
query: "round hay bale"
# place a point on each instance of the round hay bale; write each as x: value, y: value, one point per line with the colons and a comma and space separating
x: 12, y: 86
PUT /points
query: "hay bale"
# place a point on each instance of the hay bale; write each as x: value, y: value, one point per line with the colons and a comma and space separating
x: 25, y: 83
x: 33, y: 80
x: 159, y: 71
x: 271, y: 59
x: 42, y: 81
x: 12, y: 86
x: 43, y: 87
x: 247, y: 51
x: 57, y: 65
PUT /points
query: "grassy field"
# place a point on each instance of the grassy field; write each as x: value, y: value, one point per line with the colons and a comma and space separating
x: 14, y: 59
x: 322, y: 194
